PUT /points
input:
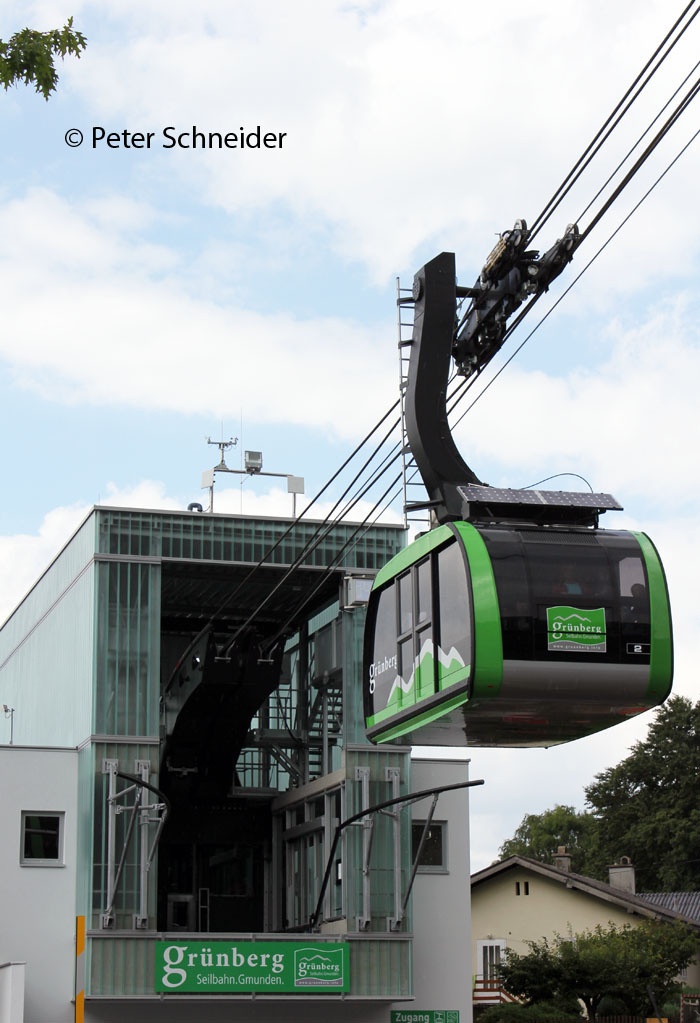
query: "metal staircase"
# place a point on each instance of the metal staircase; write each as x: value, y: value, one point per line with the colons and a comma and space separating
x: 325, y: 722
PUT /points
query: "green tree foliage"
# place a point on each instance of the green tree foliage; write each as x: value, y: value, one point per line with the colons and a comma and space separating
x: 540, y: 835
x: 647, y: 806
x: 560, y: 970
x: 535, y: 976
x: 28, y: 56
x: 537, y: 1012
x: 622, y: 963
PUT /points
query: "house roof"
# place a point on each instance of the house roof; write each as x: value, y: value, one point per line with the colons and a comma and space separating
x: 685, y: 903
x: 655, y: 906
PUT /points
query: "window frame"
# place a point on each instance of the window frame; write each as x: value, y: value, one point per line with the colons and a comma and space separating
x: 432, y: 868
x: 420, y: 619
x: 42, y: 861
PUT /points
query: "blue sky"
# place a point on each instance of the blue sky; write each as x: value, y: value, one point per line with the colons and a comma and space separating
x: 154, y: 297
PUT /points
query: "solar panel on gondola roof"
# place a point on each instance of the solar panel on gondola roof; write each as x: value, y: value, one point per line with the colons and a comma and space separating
x: 552, y: 498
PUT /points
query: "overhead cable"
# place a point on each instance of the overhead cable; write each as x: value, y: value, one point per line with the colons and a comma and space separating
x: 579, y: 275
x: 613, y: 120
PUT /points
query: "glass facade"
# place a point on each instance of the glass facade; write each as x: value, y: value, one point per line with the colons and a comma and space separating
x: 242, y: 539
x: 111, y: 630
x: 127, y: 648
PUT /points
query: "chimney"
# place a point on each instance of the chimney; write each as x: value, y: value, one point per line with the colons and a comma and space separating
x: 562, y: 859
x: 622, y: 875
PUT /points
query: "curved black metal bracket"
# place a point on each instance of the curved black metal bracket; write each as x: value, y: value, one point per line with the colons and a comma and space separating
x: 511, y: 275
x: 429, y: 436
x: 411, y: 797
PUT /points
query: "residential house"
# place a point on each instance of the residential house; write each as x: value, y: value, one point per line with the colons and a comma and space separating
x: 519, y: 899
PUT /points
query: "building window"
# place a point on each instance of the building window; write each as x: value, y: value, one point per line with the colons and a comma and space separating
x: 524, y: 887
x: 42, y: 839
x: 433, y: 855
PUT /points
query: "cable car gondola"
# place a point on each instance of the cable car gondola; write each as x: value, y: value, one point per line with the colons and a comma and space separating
x: 493, y: 636
x: 517, y: 621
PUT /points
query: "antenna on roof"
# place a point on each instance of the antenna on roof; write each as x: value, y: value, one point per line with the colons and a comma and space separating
x: 222, y: 445
x: 253, y: 467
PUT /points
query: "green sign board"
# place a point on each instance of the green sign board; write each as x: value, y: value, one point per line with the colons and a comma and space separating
x: 576, y: 629
x: 226, y: 967
x: 425, y: 1016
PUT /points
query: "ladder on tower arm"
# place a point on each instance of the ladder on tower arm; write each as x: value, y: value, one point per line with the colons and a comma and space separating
x: 415, y: 514
x: 413, y: 490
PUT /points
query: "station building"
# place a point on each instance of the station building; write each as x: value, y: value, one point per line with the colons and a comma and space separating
x: 181, y: 769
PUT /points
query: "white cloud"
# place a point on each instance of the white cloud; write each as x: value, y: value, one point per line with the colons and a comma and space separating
x: 94, y: 314
x: 144, y: 494
x: 405, y: 126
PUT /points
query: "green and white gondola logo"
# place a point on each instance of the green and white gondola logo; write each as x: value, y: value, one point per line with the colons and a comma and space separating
x: 318, y: 967
x: 576, y: 629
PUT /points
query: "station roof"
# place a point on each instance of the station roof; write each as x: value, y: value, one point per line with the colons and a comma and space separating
x: 194, y: 592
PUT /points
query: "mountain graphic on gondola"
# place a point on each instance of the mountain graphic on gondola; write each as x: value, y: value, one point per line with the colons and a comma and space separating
x: 422, y: 679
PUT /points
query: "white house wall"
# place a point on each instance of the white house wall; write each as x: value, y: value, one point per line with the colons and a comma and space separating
x: 38, y: 903
x: 441, y: 902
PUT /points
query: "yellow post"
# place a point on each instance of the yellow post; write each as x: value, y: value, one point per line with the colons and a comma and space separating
x: 79, y: 969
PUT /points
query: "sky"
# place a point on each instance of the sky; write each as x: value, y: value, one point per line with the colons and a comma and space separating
x: 157, y: 293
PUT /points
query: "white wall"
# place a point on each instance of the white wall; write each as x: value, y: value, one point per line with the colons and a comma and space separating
x: 37, y: 919
x: 441, y: 902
